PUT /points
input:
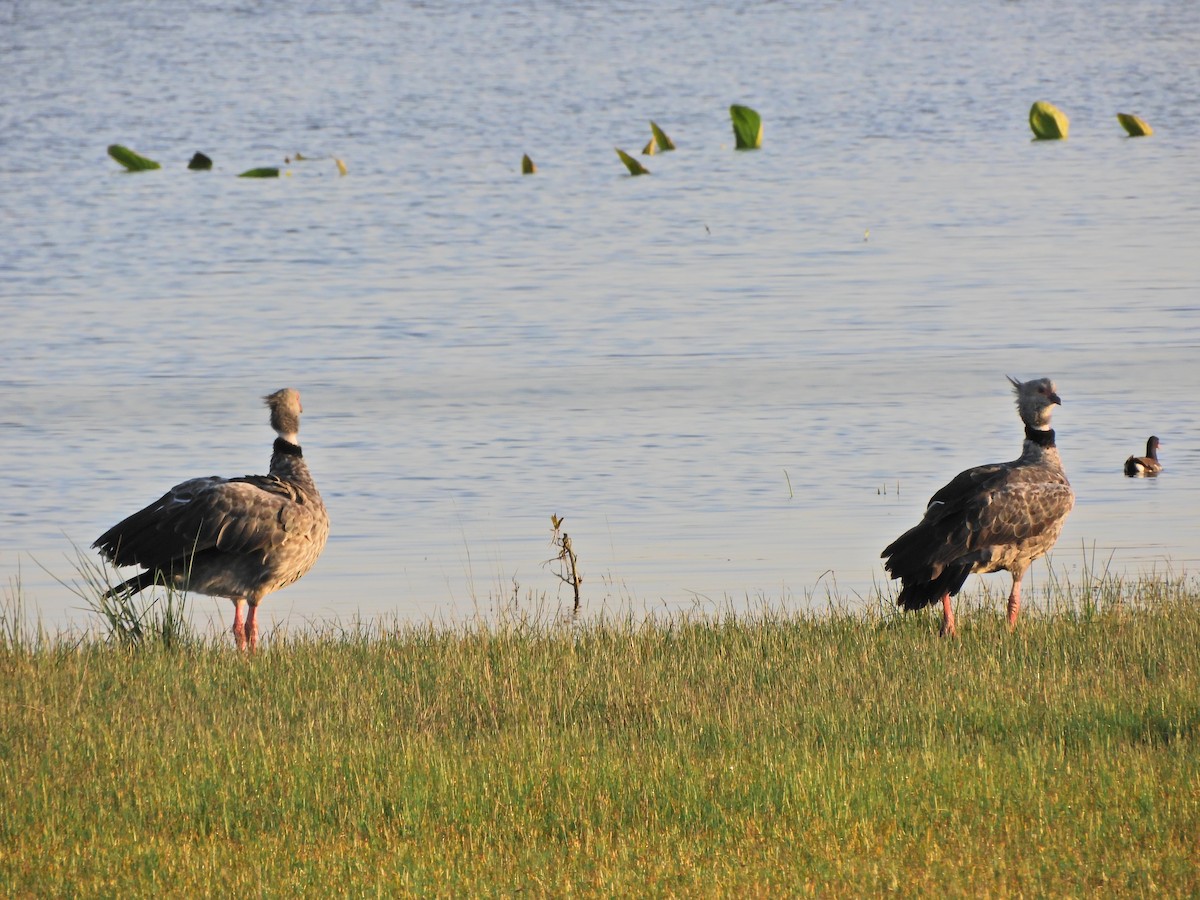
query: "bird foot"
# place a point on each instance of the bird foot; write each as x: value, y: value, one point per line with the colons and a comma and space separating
x: 949, y: 628
x: 240, y: 626
x: 1014, y: 607
x: 252, y: 629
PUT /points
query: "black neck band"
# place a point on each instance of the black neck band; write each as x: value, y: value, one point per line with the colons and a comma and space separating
x: 1041, y: 438
x: 287, y: 448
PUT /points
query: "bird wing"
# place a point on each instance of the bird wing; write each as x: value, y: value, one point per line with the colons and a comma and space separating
x: 965, y: 488
x: 940, y: 537
x: 235, y: 515
x: 1017, y: 512
x: 986, y: 517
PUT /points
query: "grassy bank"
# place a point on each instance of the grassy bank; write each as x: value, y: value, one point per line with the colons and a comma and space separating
x: 770, y: 754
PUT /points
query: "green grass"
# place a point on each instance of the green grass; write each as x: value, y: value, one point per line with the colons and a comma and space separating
x: 848, y: 753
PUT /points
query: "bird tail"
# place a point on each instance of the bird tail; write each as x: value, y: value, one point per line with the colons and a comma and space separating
x: 917, y: 593
x: 927, y: 571
x: 131, y: 586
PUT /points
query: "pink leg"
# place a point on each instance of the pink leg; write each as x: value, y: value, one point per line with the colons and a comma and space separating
x: 1014, y: 604
x: 239, y: 623
x: 252, y: 628
x: 948, y: 629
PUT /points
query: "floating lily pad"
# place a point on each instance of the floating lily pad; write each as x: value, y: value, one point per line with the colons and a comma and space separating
x: 661, y: 141
x: 1049, y: 123
x: 133, y: 162
x: 265, y: 172
x: 200, y: 163
x: 1134, y: 125
x: 634, y: 167
x: 747, y: 127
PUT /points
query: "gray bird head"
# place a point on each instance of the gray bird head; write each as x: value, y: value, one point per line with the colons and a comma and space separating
x: 1035, y: 399
x: 285, y: 413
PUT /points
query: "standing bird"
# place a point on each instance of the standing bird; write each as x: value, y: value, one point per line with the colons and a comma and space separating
x: 1000, y: 516
x: 240, y: 538
x: 1145, y: 466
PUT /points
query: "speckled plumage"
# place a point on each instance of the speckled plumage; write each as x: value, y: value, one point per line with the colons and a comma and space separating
x: 988, y: 518
x: 1145, y: 466
x: 240, y: 538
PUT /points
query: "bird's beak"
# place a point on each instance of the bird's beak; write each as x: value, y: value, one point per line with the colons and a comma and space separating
x: 1054, y: 398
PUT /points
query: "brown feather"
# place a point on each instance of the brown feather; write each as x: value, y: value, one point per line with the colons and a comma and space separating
x: 987, y: 518
x: 240, y: 538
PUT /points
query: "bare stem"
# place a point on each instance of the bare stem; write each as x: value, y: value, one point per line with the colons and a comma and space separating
x: 568, y: 569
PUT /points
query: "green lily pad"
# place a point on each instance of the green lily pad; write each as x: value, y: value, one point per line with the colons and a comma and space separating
x: 133, y: 162
x: 661, y: 141
x: 747, y: 127
x: 1134, y: 125
x: 634, y: 167
x: 1049, y: 123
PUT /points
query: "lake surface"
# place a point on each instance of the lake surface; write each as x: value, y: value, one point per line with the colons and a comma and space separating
x: 736, y: 379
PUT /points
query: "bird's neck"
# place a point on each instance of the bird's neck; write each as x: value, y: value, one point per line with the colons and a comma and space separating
x: 287, y: 464
x: 287, y: 448
x: 1039, y: 450
x: 1043, y: 437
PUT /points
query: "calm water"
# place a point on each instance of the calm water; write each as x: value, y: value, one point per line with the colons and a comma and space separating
x: 736, y: 379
